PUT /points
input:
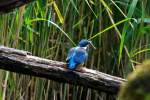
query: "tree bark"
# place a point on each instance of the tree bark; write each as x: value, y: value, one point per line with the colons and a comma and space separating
x: 8, y: 5
x: 24, y: 63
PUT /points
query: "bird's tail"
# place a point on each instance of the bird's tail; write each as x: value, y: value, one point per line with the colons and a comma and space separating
x: 72, y: 65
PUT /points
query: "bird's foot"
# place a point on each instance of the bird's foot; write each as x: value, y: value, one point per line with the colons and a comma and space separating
x: 81, y: 69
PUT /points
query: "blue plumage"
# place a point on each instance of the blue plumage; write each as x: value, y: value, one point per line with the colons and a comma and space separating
x: 78, y: 55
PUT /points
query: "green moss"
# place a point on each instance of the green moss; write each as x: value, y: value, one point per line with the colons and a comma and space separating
x: 138, y: 85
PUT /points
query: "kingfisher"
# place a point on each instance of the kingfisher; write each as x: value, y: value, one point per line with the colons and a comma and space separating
x: 79, y: 54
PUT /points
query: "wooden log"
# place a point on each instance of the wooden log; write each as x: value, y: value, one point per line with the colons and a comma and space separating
x: 8, y: 5
x: 24, y: 63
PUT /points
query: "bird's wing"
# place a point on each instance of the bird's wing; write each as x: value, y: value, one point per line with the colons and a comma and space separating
x: 70, y: 54
x: 80, y: 56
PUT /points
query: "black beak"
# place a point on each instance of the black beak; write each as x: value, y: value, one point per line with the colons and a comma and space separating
x: 91, y: 44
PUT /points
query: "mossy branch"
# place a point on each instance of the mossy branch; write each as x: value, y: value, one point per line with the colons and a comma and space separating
x: 24, y: 63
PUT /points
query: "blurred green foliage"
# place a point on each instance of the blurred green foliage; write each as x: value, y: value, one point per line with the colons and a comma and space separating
x: 137, y: 87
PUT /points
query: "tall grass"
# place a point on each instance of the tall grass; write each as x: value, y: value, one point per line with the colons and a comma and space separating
x: 119, y: 30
